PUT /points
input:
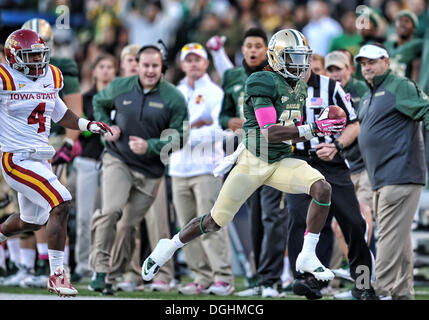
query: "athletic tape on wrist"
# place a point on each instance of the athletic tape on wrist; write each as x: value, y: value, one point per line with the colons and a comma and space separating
x: 83, y: 124
x: 306, y: 131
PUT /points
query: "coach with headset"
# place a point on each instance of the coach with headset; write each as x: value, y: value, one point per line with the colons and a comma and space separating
x: 139, y: 109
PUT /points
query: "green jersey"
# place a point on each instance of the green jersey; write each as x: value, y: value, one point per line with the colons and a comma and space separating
x: 70, y: 74
x: 356, y: 88
x: 351, y: 42
x: 233, y: 82
x: 401, y: 57
x: 269, y: 89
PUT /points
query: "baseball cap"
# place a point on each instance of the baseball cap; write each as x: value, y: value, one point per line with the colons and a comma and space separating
x: 371, y: 51
x: 193, y: 47
x: 336, y: 58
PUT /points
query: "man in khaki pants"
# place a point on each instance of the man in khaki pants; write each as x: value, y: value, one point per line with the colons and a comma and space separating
x: 139, y: 108
x: 194, y: 187
x: 392, y: 147
x: 153, y: 224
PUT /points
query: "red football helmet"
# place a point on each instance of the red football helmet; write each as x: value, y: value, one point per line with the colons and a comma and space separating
x: 27, y: 53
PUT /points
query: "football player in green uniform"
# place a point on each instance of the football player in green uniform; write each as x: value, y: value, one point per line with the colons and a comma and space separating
x: 273, y: 106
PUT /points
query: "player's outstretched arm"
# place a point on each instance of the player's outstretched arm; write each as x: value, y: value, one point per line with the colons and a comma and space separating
x: 72, y: 121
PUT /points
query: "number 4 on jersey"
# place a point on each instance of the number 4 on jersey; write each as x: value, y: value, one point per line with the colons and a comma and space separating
x: 36, y: 116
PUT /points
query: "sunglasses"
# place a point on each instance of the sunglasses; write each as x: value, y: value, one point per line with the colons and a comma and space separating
x: 192, y: 46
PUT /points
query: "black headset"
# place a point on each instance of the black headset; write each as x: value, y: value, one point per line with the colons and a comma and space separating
x: 163, y: 52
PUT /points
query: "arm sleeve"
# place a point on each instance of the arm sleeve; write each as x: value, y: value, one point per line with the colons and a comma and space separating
x: 266, y: 116
x: 221, y: 61
x: 412, y: 101
x: 59, y: 110
x: 103, y: 103
x: 178, y: 132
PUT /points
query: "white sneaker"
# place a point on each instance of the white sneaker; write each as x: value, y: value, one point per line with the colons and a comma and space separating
x: 163, y: 252
x: 174, y: 284
x: 14, y: 280
x: 160, y: 285
x: 221, y: 288
x: 251, y: 292
x: 127, y: 286
x: 34, y: 282
x: 329, y: 291
x: 346, y: 295
x: 59, y: 283
x: 308, y: 262
x: 192, y: 288
x: 270, y: 292
x: 343, y: 273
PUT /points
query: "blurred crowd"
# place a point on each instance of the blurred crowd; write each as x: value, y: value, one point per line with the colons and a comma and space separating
x: 109, y: 25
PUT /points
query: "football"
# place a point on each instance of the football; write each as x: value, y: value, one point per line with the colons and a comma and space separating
x: 336, y: 112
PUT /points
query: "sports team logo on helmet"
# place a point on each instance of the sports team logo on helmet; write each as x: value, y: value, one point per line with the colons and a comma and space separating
x: 27, y: 53
x: 289, y: 54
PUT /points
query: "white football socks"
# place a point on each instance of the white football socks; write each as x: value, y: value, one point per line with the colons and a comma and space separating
x: 13, y: 245
x: 42, y: 250
x: 66, y: 255
x: 310, y: 242
x: 56, y: 259
x: 286, y: 274
x: 28, y: 257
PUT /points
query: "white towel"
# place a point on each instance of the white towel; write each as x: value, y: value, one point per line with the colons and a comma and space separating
x: 226, y: 164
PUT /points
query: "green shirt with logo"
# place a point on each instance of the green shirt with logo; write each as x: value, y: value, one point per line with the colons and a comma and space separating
x: 160, y: 116
x: 267, y: 89
x: 233, y: 82
x: 390, y: 137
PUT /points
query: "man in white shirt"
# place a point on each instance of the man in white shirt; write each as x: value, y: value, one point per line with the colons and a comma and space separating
x: 194, y: 187
x: 321, y: 28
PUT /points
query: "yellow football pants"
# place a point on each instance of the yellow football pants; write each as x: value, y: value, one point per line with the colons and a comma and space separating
x: 288, y: 175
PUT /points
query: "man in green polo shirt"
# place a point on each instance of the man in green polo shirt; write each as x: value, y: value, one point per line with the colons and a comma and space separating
x: 144, y: 106
x: 391, y: 143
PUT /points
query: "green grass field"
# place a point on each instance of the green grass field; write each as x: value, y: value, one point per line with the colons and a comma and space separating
x: 422, y: 293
